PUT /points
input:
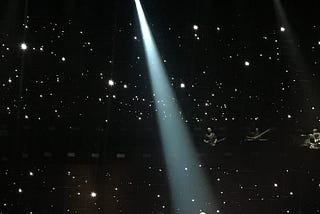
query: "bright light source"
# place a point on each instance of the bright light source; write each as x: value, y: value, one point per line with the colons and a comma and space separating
x: 63, y: 59
x: 195, y: 27
x: 182, y: 85
x: 177, y: 143
x: 23, y: 46
x: 282, y: 29
x: 111, y: 83
x: 246, y: 63
x: 93, y: 194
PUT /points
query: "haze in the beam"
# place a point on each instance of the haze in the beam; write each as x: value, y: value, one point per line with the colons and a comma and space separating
x: 297, y: 64
x: 190, y: 190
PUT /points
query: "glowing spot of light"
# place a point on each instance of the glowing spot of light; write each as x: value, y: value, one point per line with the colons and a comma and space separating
x: 93, y: 194
x: 111, y: 83
x: 23, y: 46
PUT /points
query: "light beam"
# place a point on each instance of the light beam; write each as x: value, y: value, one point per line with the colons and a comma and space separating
x: 297, y: 63
x: 190, y: 191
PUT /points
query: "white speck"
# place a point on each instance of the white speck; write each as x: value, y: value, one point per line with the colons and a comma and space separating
x: 23, y: 46
x: 111, y: 83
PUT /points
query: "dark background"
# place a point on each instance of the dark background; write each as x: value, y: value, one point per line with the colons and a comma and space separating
x: 55, y: 106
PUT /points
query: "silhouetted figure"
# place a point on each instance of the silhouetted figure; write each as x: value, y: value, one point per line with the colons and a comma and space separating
x: 256, y: 136
x: 315, y: 136
x: 210, y: 137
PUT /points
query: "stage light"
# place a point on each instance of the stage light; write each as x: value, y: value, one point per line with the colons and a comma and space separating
x: 296, y: 60
x: 177, y: 144
x: 23, y: 46
x: 93, y: 194
x: 195, y: 27
x: 182, y: 85
x: 246, y: 63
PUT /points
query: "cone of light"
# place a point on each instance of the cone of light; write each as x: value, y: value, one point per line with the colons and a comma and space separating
x: 190, y: 190
x: 297, y: 62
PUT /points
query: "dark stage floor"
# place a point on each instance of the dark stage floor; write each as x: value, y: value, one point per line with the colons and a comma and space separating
x: 245, y: 179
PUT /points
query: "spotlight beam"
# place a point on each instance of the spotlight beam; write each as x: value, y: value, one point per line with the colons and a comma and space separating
x: 190, y: 191
x: 289, y: 38
x: 297, y: 61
